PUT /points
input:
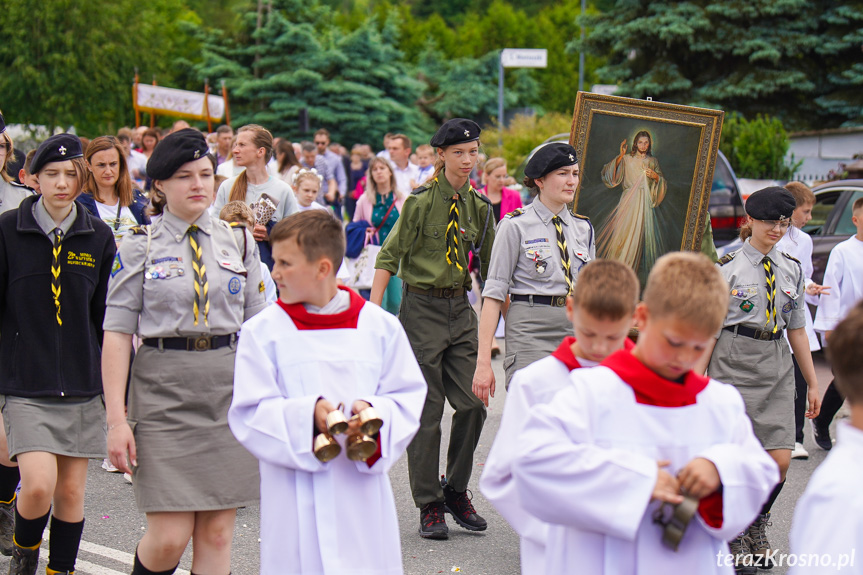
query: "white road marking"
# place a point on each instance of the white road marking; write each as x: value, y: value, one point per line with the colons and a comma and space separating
x: 115, y: 554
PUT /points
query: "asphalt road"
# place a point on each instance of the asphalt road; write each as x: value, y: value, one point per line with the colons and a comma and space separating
x: 114, y: 526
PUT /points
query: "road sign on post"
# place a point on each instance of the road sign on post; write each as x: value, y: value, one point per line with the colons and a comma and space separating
x: 516, y: 58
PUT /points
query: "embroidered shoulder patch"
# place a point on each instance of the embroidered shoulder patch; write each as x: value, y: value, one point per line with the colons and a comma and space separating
x: 726, y: 258
x: 117, y: 266
x: 261, y: 287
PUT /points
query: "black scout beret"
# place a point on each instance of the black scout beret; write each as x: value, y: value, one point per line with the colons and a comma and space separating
x: 2, y: 123
x: 773, y: 203
x: 456, y: 131
x: 58, y: 148
x: 186, y: 145
x: 550, y: 157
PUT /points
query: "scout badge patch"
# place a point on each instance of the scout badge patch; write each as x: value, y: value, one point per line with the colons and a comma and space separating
x: 746, y: 306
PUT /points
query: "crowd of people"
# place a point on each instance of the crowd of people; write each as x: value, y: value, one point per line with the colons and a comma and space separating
x: 168, y: 294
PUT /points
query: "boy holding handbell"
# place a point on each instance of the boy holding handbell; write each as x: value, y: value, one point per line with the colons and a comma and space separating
x: 320, y: 347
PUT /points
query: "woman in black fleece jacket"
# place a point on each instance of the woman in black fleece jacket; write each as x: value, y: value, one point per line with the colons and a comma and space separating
x: 55, y: 260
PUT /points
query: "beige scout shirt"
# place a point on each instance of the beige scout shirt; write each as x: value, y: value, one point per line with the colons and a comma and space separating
x: 747, y: 281
x: 142, y: 301
x: 525, y: 258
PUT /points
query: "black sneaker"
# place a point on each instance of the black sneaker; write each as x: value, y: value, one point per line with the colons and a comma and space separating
x: 433, y: 521
x: 24, y: 561
x: 821, y: 435
x: 459, y: 506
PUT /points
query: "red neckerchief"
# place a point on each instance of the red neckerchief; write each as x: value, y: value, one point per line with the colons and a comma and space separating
x: 653, y: 389
x: 344, y: 320
x: 564, y: 354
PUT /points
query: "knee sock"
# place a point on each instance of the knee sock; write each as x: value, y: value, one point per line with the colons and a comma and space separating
x: 139, y: 568
x: 772, y: 499
x: 9, y: 478
x: 28, y: 532
x: 65, y: 540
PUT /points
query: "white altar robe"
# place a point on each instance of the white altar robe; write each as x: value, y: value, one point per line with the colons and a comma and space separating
x: 336, y: 517
x: 586, y: 463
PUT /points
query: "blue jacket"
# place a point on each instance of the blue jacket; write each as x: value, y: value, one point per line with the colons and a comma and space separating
x: 138, y: 207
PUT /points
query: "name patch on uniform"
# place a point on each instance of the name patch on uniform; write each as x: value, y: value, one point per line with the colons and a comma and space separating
x: 536, y: 241
x: 166, y: 259
x: 80, y: 259
x: 234, y: 286
x: 117, y: 266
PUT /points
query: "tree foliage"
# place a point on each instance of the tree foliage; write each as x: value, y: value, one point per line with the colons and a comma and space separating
x: 757, y: 148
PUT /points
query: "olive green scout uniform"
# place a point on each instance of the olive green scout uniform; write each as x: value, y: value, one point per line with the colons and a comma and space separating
x: 440, y: 323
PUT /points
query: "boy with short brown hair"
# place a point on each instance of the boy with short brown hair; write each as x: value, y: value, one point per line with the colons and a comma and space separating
x: 600, y: 309
x: 827, y: 520
x: 643, y: 429
x: 321, y: 347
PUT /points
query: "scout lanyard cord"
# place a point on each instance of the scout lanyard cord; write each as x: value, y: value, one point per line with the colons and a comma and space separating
x: 475, y: 249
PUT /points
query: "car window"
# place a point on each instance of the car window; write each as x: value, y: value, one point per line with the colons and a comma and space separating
x: 824, y: 203
x: 723, y: 181
x: 845, y: 226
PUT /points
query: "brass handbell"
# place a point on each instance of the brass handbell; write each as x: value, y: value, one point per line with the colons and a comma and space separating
x: 361, y: 447
x: 674, y: 527
x: 337, y: 423
x: 326, y: 448
x: 370, y: 422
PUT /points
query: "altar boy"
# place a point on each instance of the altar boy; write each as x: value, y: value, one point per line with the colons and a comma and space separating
x: 323, y: 346
x: 641, y: 429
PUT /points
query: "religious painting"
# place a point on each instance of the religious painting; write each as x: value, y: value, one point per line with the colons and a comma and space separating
x: 646, y: 172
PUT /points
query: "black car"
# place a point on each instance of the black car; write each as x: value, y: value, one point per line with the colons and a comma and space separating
x: 726, y: 203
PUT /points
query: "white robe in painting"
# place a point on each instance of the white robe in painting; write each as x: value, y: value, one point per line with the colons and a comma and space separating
x: 336, y: 517
x: 586, y: 463
x: 535, y: 384
x: 828, y: 519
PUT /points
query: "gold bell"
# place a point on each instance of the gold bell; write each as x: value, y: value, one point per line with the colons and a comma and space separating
x: 361, y: 447
x: 370, y: 422
x: 674, y: 527
x: 326, y: 448
x: 337, y: 423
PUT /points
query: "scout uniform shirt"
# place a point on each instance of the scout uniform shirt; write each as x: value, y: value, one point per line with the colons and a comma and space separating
x: 418, y: 240
x: 152, y: 292
x: 526, y: 258
x: 747, y: 281
x: 11, y: 195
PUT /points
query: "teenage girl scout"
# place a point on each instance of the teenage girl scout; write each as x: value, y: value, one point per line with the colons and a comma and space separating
x: 428, y: 247
x: 55, y: 260
x: 767, y: 298
x: 184, y: 286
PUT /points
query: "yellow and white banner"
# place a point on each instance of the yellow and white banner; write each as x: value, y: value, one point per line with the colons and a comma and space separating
x: 172, y: 102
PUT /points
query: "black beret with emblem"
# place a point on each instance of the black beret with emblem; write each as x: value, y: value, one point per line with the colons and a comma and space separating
x: 178, y: 148
x: 550, y: 157
x: 2, y: 123
x: 456, y: 131
x: 57, y: 148
x: 773, y: 203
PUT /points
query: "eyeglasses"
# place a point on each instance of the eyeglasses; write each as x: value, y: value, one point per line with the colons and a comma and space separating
x: 783, y: 224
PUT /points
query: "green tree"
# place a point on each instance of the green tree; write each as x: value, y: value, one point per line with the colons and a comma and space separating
x: 838, y: 63
x: 68, y: 64
x: 757, y: 148
x: 743, y: 56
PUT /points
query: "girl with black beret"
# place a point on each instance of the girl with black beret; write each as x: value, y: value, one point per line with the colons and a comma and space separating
x: 55, y: 260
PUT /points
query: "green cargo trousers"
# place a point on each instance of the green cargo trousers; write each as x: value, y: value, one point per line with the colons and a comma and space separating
x: 443, y: 334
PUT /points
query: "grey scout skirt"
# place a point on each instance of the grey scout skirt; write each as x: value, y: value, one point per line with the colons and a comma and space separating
x: 532, y: 333
x: 70, y: 426
x: 188, y: 459
x: 763, y: 373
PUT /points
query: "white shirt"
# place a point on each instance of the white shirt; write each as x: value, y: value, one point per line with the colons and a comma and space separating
x: 270, y: 292
x: 274, y: 187
x: 313, y: 206
x: 108, y: 214
x: 844, y: 275
x: 798, y: 244
x: 828, y: 519
x: 229, y: 170
x: 404, y: 177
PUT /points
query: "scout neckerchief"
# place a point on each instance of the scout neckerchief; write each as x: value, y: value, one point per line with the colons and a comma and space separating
x: 202, y: 287
x: 452, y: 231
x: 55, y: 271
x: 771, y: 294
x: 564, y: 253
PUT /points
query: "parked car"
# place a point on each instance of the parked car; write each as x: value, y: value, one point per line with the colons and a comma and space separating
x: 830, y: 223
x: 726, y: 203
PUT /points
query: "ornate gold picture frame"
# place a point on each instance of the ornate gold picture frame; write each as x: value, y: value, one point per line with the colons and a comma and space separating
x: 646, y: 174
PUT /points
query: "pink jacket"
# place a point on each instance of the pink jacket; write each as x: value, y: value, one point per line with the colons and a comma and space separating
x: 364, y: 208
x: 510, y: 200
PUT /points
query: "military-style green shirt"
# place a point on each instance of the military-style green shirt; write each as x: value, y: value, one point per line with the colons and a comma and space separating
x: 416, y: 246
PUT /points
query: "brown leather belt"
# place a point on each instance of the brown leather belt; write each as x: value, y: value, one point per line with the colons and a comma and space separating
x: 759, y: 334
x: 201, y: 343
x: 447, y: 293
x: 552, y: 300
